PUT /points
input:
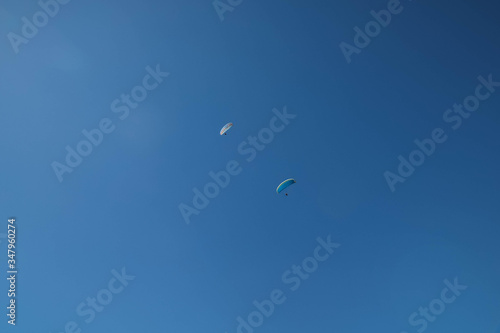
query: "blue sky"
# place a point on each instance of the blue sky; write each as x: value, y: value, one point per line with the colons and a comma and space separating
x: 119, y: 208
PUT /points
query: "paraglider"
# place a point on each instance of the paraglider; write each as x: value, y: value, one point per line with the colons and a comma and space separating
x: 285, y: 184
x: 226, y: 128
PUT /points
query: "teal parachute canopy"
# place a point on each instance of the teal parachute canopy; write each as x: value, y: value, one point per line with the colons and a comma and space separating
x: 285, y: 184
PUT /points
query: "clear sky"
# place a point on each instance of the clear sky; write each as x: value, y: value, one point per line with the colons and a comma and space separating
x: 118, y: 212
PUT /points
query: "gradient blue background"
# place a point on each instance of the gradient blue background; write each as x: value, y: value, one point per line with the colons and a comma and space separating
x: 119, y: 208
